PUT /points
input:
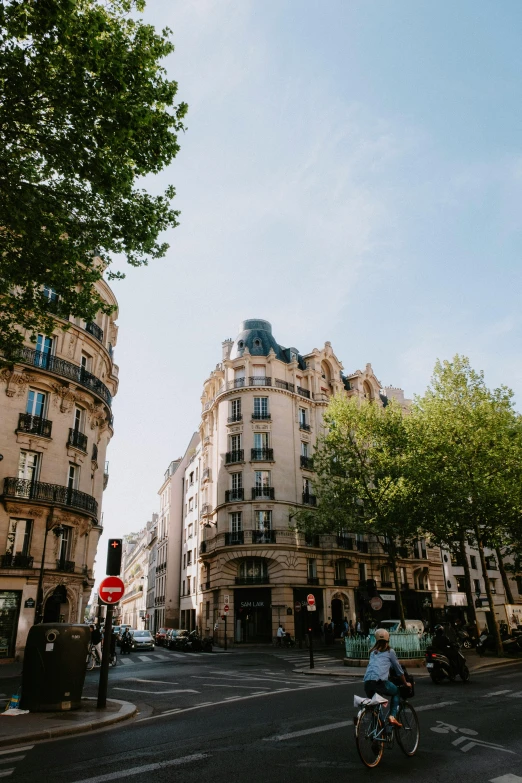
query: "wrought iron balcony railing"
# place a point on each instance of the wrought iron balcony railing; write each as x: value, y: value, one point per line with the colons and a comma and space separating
x: 312, y: 580
x: 386, y: 584
x: 237, y: 383
x: 72, y: 372
x: 307, y: 463
x: 309, y: 500
x: 303, y: 392
x: 50, y: 493
x: 16, y: 561
x: 263, y: 492
x: 95, y: 330
x: 362, y: 546
x: 34, y: 425
x: 232, y: 495
x: 65, y: 565
x: 263, y: 536
x: 284, y: 385
x: 232, y: 539
x: 234, y: 456
x: 255, y: 380
x: 235, y: 417
x: 312, y: 539
x: 77, y: 439
x: 252, y: 580
x: 341, y: 582
x: 261, y: 416
x: 304, y: 426
x: 262, y: 455
x: 344, y: 542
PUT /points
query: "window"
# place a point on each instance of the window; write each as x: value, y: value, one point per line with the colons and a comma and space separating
x: 73, y: 477
x: 195, y: 559
x: 262, y: 478
x: 263, y: 520
x: 78, y: 419
x: 236, y: 523
x: 340, y: 570
x: 235, y: 442
x: 419, y: 549
x: 65, y: 544
x: 36, y: 403
x: 253, y: 569
x: 197, y: 471
x: 239, y: 376
x: 237, y: 481
x: 44, y: 349
x: 183, y: 587
x: 386, y: 576
x: 188, y: 585
x: 307, y: 486
x: 261, y: 440
x: 311, y: 568
x: 473, y: 560
x: 519, y: 584
x: 184, y: 561
x: 50, y: 294
x: 28, y: 465
x: 191, y: 504
x: 404, y: 580
x: 362, y: 572
x: 461, y: 584
x: 191, y: 477
x: 235, y: 410
x: 476, y: 586
x: 493, y: 585
x: 194, y: 585
x: 260, y: 407
x: 19, y: 537
x: 207, y: 611
x: 189, y: 557
x: 259, y: 371
x: 302, y: 416
x: 190, y: 530
x: 304, y: 449
x: 86, y: 362
x: 195, y: 501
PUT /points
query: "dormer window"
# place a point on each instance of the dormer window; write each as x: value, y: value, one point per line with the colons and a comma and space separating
x: 241, y: 344
x: 257, y: 343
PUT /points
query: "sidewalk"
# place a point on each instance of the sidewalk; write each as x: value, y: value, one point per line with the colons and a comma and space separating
x: 33, y: 726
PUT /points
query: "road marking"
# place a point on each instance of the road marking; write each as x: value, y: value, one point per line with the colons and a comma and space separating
x: 315, y: 730
x: 126, y: 661
x: 245, y: 679
x: 10, y: 759
x: 122, y: 773
x: 6, y: 773
x: 495, y: 693
x: 145, y: 658
x: 16, y: 750
x: 219, y: 685
x: 156, y: 693
x: 160, y: 682
x: 424, y: 707
x: 470, y: 744
x: 161, y: 657
x: 507, y: 779
x: 517, y: 695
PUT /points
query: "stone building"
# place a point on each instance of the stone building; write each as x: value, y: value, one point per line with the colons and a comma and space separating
x: 190, y: 542
x: 55, y: 426
x: 262, y: 411
x: 152, y: 546
x: 135, y: 561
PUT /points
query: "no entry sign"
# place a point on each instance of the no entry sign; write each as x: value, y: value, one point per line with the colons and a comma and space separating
x: 111, y: 590
x: 310, y: 599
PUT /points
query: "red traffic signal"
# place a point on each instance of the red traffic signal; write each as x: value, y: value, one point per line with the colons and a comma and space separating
x: 114, y: 551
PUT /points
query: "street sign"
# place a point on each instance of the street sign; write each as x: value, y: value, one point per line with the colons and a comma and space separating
x: 376, y: 603
x: 312, y: 608
x: 111, y: 589
x: 226, y: 608
x: 310, y: 599
x: 227, y: 599
x: 297, y: 606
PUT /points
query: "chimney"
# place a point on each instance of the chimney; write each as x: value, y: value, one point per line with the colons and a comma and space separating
x: 227, y: 347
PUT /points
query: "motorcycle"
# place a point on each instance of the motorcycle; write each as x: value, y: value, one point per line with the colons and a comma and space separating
x: 512, y: 645
x: 464, y: 639
x: 441, y: 667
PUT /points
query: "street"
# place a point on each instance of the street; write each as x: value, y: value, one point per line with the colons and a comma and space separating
x: 246, y: 716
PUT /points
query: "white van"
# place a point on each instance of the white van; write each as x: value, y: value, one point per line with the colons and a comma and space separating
x: 411, y: 625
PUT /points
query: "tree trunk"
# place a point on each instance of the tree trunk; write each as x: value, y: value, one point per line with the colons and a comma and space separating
x: 505, y: 578
x: 496, y: 629
x: 469, y: 592
x: 396, y: 579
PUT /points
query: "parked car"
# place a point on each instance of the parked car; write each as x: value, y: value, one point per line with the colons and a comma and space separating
x: 161, y: 636
x: 142, y: 640
x: 411, y: 625
x: 177, y: 639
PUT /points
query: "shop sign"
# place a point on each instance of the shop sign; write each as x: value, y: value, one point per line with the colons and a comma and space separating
x: 388, y: 596
x: 30, y: 603
x: 251, y: 604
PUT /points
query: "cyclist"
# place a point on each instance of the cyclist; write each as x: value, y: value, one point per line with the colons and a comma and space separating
x: 96, y: 639
x: 376, y: 678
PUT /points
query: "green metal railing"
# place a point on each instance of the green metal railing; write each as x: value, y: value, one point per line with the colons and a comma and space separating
x: 407, y: 644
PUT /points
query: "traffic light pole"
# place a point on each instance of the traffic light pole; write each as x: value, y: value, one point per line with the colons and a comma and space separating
x: 106, y: 656
x: 310, y: 637
x: 225, y: 645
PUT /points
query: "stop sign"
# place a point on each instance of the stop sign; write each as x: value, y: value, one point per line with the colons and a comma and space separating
x: 310, y: 599
x: 111, y: 589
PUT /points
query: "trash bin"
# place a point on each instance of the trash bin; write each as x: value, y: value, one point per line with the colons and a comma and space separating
x: 54, y: 667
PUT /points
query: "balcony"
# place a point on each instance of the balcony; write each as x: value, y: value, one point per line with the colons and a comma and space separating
x: 307, y: 463
x: 252, y: 580
x: 312, y: 539
x: 261, y: 417
x: 54, y: 494
x: 344, y: 542
x: 263, y: 492
x: 65, y: 565
x: 262, y: 455
x: 309, y: 500
x: 64, y: 369
x: 312, y: 580
x: 232, y: 457
x: 202, y: 547
x: 233, y: 495
x: 16, y: 561
x: 403, y: 551
x: 284, y: 385
x: 386, y: 584
x: 341, y: 582
x: 254, y: 380
x: 236, y: 417
x: 206, y: 475
x: 303, y: 392
x: 206, y: 509
x: 77, y: 440
x: 362, y: 546
x: 263, y: 537
x: 304, y: 426
x: 237, y: 383
x: 34, y: 425
x: 233, y: 539
x: 95, y: 330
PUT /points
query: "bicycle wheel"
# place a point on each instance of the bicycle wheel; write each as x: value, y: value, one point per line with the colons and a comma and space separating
x: 113, y: 660
x: 408, y: 734
x: 90, y: 661
x: 369, y: 737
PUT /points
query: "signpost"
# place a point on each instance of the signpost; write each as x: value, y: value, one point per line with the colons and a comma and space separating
x: 226, y: 609
x: 376, y: 603
x: 310, y: 601
x: 110, y: 591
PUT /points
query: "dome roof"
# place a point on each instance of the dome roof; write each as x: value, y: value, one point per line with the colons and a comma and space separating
x: 256, y: 335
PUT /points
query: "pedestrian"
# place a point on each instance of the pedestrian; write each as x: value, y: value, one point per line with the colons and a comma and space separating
x: 345, y: 627
x: 96, y: 639
x: 351, y: 629
x: 359, y: 628
x: 279, y: 635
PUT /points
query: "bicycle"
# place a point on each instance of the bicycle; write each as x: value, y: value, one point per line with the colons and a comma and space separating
x: 93, y: 659
x: 373, y: 733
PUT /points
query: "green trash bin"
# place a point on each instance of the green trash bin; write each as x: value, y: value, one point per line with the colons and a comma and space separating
x: 54, y: 667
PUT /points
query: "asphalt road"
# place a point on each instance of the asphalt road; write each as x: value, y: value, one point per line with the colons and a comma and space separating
x: 247, y: 717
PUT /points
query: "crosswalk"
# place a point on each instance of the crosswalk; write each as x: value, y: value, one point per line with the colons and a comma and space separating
x: 10, y: 757
x: 302, y: 658
x: 133, y: 658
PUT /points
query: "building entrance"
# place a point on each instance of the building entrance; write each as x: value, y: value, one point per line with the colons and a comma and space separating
x: 57, y: 607
x: 253, y: 615
x: 9, y: 611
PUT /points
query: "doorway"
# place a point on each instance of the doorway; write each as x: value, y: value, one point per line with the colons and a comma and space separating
x: 57, y: 606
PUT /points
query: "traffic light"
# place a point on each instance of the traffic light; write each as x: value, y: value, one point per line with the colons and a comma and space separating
x: 114, y: 557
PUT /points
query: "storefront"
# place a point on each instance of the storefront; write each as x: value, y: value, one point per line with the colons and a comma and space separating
x: 253, y: 615
x: 9, y: 612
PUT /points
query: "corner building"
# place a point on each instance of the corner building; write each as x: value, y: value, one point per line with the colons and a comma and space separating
x: 262, y: 412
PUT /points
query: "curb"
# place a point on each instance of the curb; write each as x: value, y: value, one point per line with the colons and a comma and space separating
x: 126, y: 711
x: 359, y: 674
x: 495, y: 663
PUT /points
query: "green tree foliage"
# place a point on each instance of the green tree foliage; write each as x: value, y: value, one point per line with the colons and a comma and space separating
x: 86, y: 111
x: 360, y: 484
x: 466, y: 462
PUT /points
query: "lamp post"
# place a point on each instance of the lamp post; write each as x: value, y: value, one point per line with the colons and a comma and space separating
x: 58, y: 532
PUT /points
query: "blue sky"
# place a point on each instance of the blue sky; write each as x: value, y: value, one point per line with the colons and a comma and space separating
x: 351, y: 172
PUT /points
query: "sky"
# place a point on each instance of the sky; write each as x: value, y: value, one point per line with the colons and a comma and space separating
x: 351, y: 171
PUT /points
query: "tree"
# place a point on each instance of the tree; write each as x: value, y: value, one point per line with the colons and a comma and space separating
x: 360, y: 483
x: 466, y: 463
x: 86, y: 112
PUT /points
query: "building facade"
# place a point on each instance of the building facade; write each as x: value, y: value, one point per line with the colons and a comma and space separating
x: 55, y: 426
x: 190, y: 543
x: 152, y: 546
x: 262, y: 412
x: 135, y: 563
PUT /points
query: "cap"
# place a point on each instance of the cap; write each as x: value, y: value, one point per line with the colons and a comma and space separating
x: 382, y: 633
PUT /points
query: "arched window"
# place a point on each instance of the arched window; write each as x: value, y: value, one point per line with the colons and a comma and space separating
x: 253, y: 571
x: 367, y: 391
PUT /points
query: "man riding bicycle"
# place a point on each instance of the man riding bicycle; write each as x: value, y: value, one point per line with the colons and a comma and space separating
x: 376, y: 678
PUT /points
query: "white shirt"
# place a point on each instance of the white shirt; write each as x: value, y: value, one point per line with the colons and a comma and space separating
x: 280, y: 631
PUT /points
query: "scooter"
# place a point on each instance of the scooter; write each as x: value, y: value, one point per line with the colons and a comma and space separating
x: 464, y: 639
x: 440, y: 667
x: 510, y: 644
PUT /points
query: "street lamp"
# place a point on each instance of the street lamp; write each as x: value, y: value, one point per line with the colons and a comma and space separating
x: 58, y: 532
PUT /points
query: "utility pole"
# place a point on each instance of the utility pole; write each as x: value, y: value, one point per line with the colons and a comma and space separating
x: 106, y: 656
